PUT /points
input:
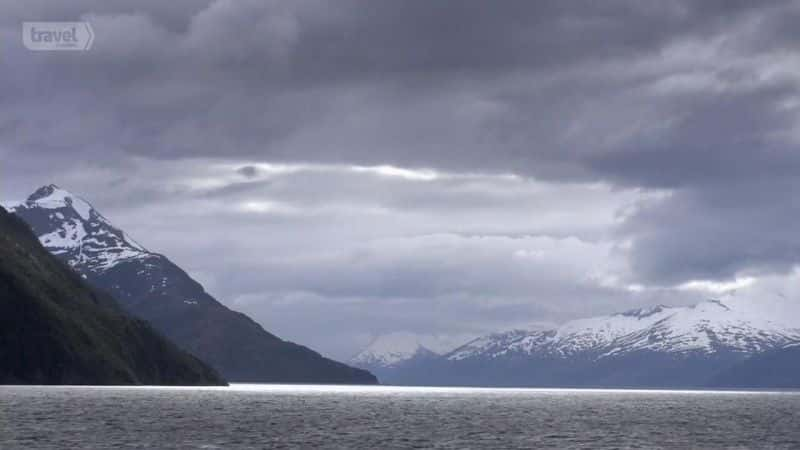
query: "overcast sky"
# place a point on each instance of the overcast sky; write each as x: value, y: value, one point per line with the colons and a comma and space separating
x: 339, y: 170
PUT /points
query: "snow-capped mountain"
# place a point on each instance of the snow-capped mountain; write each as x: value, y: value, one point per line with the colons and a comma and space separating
x: 152, y: 287
x: 651, y: 347
x: 390, y: 350
x: 69, y: 227
x: 729, y: 325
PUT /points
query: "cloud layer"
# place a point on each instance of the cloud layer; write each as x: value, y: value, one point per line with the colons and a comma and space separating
x: 375, y: 166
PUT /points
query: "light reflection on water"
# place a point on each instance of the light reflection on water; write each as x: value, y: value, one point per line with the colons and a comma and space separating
x: 419, y: 390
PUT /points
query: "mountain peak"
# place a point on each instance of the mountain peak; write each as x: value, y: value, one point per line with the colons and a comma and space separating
x: 391, y: 349
x: 51, y: 193
x: 70, y: 227
x: 53, y: 197
x: 44, y: 192
x: 641, y: 313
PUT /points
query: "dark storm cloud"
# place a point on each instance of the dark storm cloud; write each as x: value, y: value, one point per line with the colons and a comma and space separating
x: 503, y: 116
x: 742, y: 227
x: 313, y: 81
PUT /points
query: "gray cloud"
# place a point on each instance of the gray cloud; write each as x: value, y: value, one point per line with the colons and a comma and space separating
x: 663, y: 132
x: 740, y: 228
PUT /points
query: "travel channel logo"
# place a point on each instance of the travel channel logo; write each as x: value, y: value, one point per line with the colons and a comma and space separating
x: 54, y: 36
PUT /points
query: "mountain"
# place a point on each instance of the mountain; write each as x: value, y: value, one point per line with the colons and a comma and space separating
x: 56, y: 329
x: 713, y: 326
x: 391, y: 353
x: 390, y: 350
x: 651, y: 347
x: 774, y: 369
x: 151, y: 287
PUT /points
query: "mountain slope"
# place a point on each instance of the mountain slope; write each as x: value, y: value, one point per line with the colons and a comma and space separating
x: 54, y: 329
x: 150, y: 286
x: 774, y: 369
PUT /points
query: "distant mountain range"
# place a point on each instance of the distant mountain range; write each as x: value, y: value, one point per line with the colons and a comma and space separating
x: 731, y: 342
x: 56, y: 329
x: 150, y: 286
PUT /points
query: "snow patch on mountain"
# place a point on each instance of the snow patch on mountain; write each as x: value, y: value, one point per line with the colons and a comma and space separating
x: 70, y: 235
x: 389, y: 350
x: 495, y: 344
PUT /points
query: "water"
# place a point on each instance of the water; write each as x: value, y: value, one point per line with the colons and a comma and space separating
x: 272, y: 416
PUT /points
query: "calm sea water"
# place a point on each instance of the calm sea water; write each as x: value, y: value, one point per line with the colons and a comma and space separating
x: 273, y: 416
